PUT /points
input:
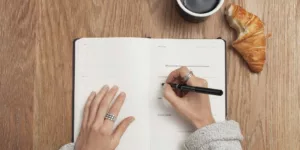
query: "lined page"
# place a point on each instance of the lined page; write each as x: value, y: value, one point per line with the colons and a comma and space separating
x: 115, y: 61
x: 206, y: 58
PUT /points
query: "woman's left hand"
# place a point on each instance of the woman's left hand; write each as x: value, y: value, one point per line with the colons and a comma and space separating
x: 97, y: 132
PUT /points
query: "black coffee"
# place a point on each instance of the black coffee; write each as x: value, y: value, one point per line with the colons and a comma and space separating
x: 200, y: 6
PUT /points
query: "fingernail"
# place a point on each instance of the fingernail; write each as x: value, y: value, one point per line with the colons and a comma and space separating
x: 105, y: 87
x: 132, y: 119
x: 114, y: 87
x: 122, y: 94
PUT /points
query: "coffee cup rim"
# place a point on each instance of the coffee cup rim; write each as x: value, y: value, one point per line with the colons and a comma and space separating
x: 200, y: 14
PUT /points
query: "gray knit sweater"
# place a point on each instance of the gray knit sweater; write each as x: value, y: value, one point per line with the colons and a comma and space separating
x: 218, y: 136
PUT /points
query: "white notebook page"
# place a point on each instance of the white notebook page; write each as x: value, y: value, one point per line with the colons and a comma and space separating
x: 206, y: 58
x: 122, y: 62
x: 139, y: 66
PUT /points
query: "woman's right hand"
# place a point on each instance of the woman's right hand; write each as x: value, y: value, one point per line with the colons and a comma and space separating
x: 195, y: 107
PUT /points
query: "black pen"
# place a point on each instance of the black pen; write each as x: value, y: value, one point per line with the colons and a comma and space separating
x: 184, y: 87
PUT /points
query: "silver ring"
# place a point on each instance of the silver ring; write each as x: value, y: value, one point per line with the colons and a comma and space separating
x: 111, y: 117
x: 188, y: 76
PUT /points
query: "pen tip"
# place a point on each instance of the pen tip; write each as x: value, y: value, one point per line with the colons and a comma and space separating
x: 162, y: 84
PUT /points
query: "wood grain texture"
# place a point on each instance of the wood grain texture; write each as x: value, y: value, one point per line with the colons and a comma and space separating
x: 36, y: 54
x: 17, y: 56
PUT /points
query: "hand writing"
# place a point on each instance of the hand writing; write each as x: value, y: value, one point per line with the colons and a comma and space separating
x: 195, y: 107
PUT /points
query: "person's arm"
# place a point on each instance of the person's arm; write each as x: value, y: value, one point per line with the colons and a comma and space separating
x: 195, y: 107
x: 223, y: 135
x: 70, y: 146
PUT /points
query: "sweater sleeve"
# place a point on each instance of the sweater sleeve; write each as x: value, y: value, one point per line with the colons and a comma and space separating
x: 218, y: 136
x: 69, y: 146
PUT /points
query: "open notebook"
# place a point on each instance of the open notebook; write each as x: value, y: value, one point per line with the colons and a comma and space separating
x: 139, y: 66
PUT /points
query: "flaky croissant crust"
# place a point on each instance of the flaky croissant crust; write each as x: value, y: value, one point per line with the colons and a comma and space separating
x: 251, y: 41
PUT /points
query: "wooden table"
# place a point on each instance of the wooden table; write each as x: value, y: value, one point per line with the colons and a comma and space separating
x: 36, y: 65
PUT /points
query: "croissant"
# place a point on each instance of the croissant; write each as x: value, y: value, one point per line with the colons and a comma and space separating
x: 251, y: 41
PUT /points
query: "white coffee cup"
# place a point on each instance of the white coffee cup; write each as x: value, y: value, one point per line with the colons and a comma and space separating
x: 193, y: 16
